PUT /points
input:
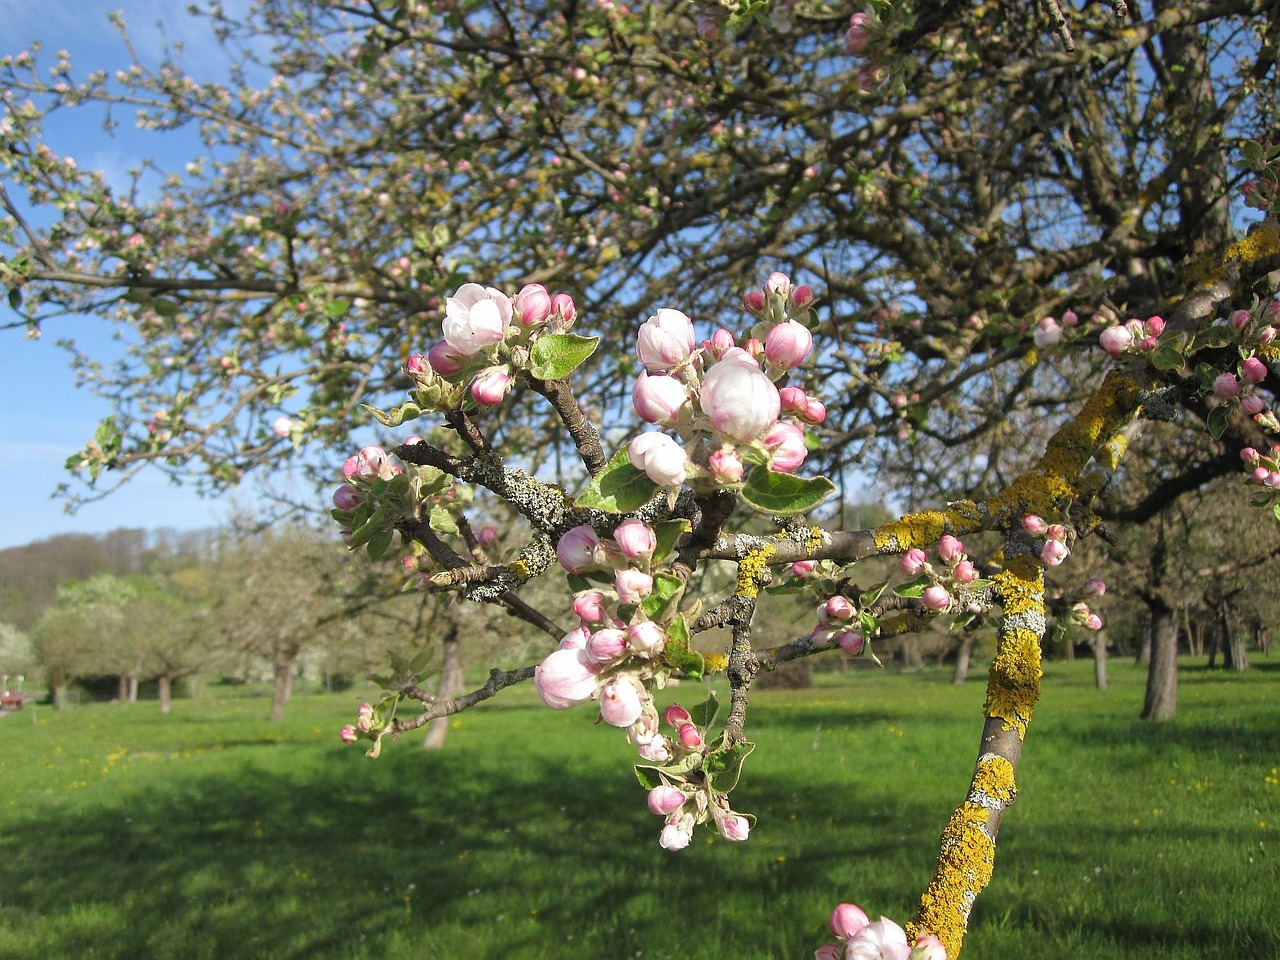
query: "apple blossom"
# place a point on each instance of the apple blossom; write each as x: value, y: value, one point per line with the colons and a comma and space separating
x: 445, y: 360
x: 665, y: 340
x: 965, y: 572
x: 851, y: 642
x: 828, y: 951
x: 754, y: 301
x: 1153, y: 327
x: 655, y: 750
x: 1093, y: 622
x: 1034, y: 525
x: 475, y: 317
x: 1252, y: 404
x: 676, y: 715
x: 913, y: 562
x: 859, y: 31
x: 879, y: 940
x: 1226, y: 385
x: 490, y: 386
x: 622, y: 701
x: 677, y: 833
x: 576, y: 639
x: 950, y: 549
x: 487, y: 536
x: 282, y: 427
x: 788, y: 344
x: 635, y: 538
x: 840, y: 608
x: 936, y: 598
x: 563, y: 310
x: 660, y: 457
x: 646, y: 638
x: 1116, y: 340
x: 589, y: 606
x: 665, y: 799
x: 803, y: 568
x: 347, y: 497
x: 777, y: 284
x: 532, y: 305
x: 1047, y: 333
x: 802, y: 294
x: 578, y: 550
x: 928, y: 947
x: 1239, y: 319
x: 1053, y: 552
x: 735, y: 827
x: 565, y: 678
x: 1095, y: 587
x: 659, y: 399
x: 348, y: 734
x: 786, y: 446
x: 607, y: 645
x: 726, y: 466
x: 740, y: 400
x: 1253, y: 370
x: 632, y: 585
x: 1056, y: 531
x: 846, y: 921
x: 689, y: 736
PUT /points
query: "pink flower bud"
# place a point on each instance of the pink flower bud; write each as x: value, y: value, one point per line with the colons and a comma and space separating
x: 622, y: 701
x: 950, y: 549
x: 646, y: 638
x: 741, y: 402
x: 855, y: 38
x: 786, y: 446
x: 659, y: 399
x: 660, y: 457
x: 1056, y: 531
x: 635, y: 538
x: 677, y: 833
x: 965, y: 572
x: 487, y: 536
x: 1249, y: 455
x: 689, y: 736
x: 444, y: 359
x: 282, y: 427
x: 1259, y: 475
x: 606, y: 646
x: 563, y: 307
x: 664, y: 800
x: 778, y: 284
x: 1048, y: 333
x: 1034, y: 525
x: 846, y: 921
x: 632, y: 585
x: 792, y: 399
x: 665, y: 340
x: 1239, y: 319
x: 735, y: 827
x: 589, y: 606
x: 565, y: 679
x: 1147, y: 344
x: 576, y: 639
x: 1252, y: 404
x: 657, y: 750
x: 676, y: 715
x: 803, y: 568
x: 829, y: 951
x: 721, y: 342
x: 928, y: 948
x: 936, y: 598
x: 788, y: 344
x: 347, y: 497
x: 851, y: 642
x: 1070, y: 318
x: 1266, y: 334
x: 1095, y: 587
x: 577, y: 550
x: 1226, y: 385
x: 365, y: 711
x: 913, y: 562
x: 1053, y: 552
x: 532, y: 305
x: 1093, y: 622
x: 801, y: 296
x: 348, y: 734
x: 1154, y: 326
x: 840, y: 608
x: 1253, y: 370
x: 490, y: 386
x: 754, y: 301
x: 726, y: 466
x: 1116, y: 340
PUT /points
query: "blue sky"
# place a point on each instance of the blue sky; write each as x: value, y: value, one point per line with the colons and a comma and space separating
x: 44, y: 417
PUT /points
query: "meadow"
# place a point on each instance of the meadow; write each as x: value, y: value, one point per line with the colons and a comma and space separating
x: 212, y: 833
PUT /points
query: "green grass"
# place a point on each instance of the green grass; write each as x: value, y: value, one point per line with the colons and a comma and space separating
x: 212, y: 833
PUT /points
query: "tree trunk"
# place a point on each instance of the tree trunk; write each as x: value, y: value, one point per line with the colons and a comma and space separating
x: 282, y: 687
x: 1233, y: 646
x: 122, y: 689
x: 1162, y: 675
x: 166, y: 693
x: 962, y: 660
x: 132, y: 695
x: 450, y: 686
x: 59, y: 694
x: 1144, y: 648
x: 1100, y: 659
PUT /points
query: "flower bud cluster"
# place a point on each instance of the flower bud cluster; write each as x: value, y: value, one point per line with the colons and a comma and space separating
x: 861, y: 30
x: 684, y: 803
x: 1054, y: 549
x: 720, y: 398
x: 949, y: 588
x: 1132, y: 336
x: 366, y: 727
x: 1264, y: 470
x: 864, y: 939
x: 487, y: 338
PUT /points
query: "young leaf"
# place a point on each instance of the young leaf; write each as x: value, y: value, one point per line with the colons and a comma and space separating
x: 704, y: 713
x: 379, y: 543
x: 724, y: 767
x: 619, y: 487
x: 557, y: 355
x: 442, y: 521
x: 782, y: 493
x: 1218, y: 418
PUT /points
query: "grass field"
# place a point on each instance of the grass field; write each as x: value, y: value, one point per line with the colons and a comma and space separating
x: 212, y: 833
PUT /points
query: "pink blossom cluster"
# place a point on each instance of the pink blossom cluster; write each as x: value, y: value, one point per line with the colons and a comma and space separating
x: 1260, y: 194
x: 864, y: 939
x: 957, y: 573
x: 363, y: 727
x: 360, y: 470
x: 856, y: 38
x: 721, y: 399
x: 1264, y: 470
x: 838, y: 623
x: 1054, y: 550
x: 487, y: 335
x: 1256, y: 329
x: 684, y: 803
x: 1132, y: 336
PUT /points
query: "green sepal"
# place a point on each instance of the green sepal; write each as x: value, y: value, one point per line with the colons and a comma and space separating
x: 618, y: 488
x: 723, y: 766
x: 555, y: 356
x: 783, y: 494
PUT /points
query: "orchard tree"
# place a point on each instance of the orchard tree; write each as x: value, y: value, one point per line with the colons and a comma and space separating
x: 1011, y: 211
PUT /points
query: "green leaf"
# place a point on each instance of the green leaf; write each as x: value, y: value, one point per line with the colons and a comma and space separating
x: 1276, y: 510
x: 669, y: 534
x: 679, y: 657
x: 619, y: 487
x: 784, y: 494
x: 648, y: 776
x: 420, y: 662
x: 15, y: 298
x: 165, y: 308
x: 379, y: 543
x: 913, y: 588
x: 1218, y: 418
x: 1167, y: 357
x: 442, y: 521
x: 398, y: 415
x: 704, y: 714
x: 337, y: 308
x: 555, y: 356
x: 665, y: 598
x: 871, y: 595
x: 1251, y: 150
x: 724, y: 767
x: 1213, y: 336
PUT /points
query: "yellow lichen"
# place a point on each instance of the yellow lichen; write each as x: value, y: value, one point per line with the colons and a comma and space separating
x: 715, y: 663
x: 1262, y: 241
x: 964, y: 869
x: 1013, y: 682
x: 519, y: 568
x: 994, y: 779
x: 924, y: 529
x: 751, y: 571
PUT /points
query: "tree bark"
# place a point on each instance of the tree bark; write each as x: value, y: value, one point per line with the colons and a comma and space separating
x: 1234, y: 656
x: 59, y: 694
x: 1144, y: 649
x: 132, y: 695
x: 282, y: 687
x: 450, y: 686
x: 1100, y: 659
x: 122, y: 689
x: 962, y: 660
x: 166, y: 693
x: 1161, y: 699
